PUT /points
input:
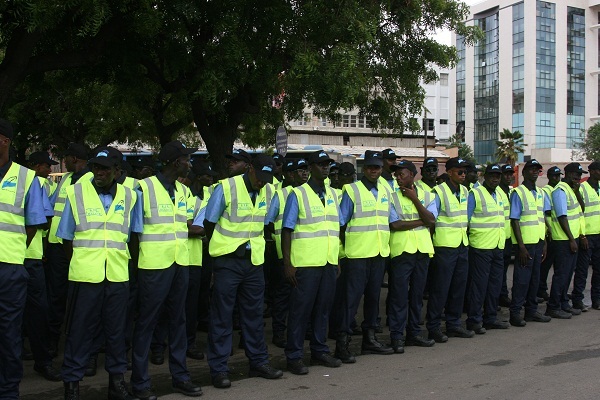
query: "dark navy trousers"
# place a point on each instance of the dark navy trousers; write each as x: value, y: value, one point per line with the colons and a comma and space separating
x: 132, y: 304
x: 506, y: 259
x: 545, y: 268
x: 363, y: 276
x: 526, y: 279
x: 407, y: 279
x: 486, y: 269
x: 191, y: 305
x: 236, y: 278
x: 13, y: 294
x: 564, y: 267
x: 160, y: 288
x: 583, y: 265
x: 449, y: 283
x: 310, y: 301
x: 281, y: 290
x: 35, y: 319
x: 95, y: 307
x: 57, y: 282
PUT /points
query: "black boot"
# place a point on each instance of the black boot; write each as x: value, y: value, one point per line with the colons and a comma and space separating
x: 370, y: 344
x: 92, y: 366
x: 71, y: 390
x: 117, y: 389
x: 341, y: 349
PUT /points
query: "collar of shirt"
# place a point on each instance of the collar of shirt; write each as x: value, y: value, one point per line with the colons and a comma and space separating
x: 121, y: 179
x: 453, y: 189
x: 165, y: 182
x: 387, y: 176
x: 506, y: 188
x: 318, y: 189
x: 489, y: 189
x: 248, y: 184
x: 369, y: 185
x: 530, y: 186
x: 76, y: 175
x: 4, y: 169
x: 112, y: 190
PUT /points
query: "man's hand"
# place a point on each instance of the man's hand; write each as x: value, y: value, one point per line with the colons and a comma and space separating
x: 290, y: 274
x: 583, y: 242
x: 573, y: 246
x: 524, y: 256
x: 409, y: 193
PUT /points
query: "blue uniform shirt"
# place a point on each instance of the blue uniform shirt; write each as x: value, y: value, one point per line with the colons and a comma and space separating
x: 199, y: 220
x: 559, y: 202
x: 273, y: 210
x: 516, y: 207
x: 431, y: 207
x: 216, y: 205
x: 48, y: 210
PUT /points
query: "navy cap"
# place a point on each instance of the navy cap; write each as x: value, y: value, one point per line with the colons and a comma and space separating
x: 41, y: 157
x: 239, y: 154
x: 77, y: 150
x: 594, y: 165
x: 200, y: 168
x: 278, y: 158
x: 301, y: 164
x: 264, y: 167
x: 107, y: 157
x: 493, y: 169
x: 554, y: 171
x: 333, y: 165
x: 456, y: 162
x: 507, y: 168
x: 6, y: 129
x: 373, y: 158
x: 471, y: 167
x: 289, y: 165
x: 430, y: 161
x: 405, y: 164
x: 318, y: 156
x: 389, y: 154
x: 533, y: 163
x: 347, y: 169
x: 173, y: 150
x: 575, y: 167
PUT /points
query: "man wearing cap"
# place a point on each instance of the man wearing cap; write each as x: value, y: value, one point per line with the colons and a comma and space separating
x: 567, y: 235
x: 429, y: 172
x: 333, y: 175
x: 472, y: 178
x: 21, y: 215
x: 554, y: 175
x: 506, y: 181
x: 98, y: 218
x: 487, y: 209
x: 528, y: 205
x: 278, y: 172
x: 310, y: 248
x: 234, y: 224
x: 274, y: 222
x: 450, y: 270
x: 591, y: 213
x: 364, y: 217
x: 35, y: 319
x: 163, y: 269
x: 346, y: 175
x: 413, y: 212
x: 389, y: 160
x: 57, y: 265
x: 238, y: 162
x: 204, y: 177
x: 143, y: 168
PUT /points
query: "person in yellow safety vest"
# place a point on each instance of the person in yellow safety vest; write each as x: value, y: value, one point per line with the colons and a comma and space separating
x: 278, y: 173
x: 429, y: 172
x: 590, y: 192
x: 486, y: 209
x: 163, y: 270
x: 387, y: 176
x: 528, y: 205
x: 554, y: 175
x: 310, y: 248
x: 234, y: 224
x: 296, y: 173
x: 238, y: 162
x: 568, y: 235
x: 35, y: 319
x: 450, y: 270
x: 364, y: 217
x: 334, y: 169
x: 472, y: 178
x: 98, y: 219
x: 143, y: 168
x: 413, y: 212
x: 21, y: 215
x: 57, y: 265
x: 506, y: 181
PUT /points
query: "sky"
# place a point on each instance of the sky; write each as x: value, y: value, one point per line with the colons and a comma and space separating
x: 444, y: 36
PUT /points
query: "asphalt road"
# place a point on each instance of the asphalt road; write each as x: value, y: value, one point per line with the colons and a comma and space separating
x: 556, y: 360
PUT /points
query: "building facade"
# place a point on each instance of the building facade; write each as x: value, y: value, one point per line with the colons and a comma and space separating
x: 536, y: 71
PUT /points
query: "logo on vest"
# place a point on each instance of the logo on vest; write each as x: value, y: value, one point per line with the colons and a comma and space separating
x: 329, y: 201
x: 94, y: 212
x: 120, y: 206
x: 10, y: 183
x: 384, y: 199
x: 368, y: 203
x: 262, y: 203
x: 244, y: 206
x: 181, y: 203
x: 165, y: 208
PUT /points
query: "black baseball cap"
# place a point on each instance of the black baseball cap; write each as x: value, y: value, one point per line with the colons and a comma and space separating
x: 173, y: 150
x: 594, y: 165
x: 554, y: 171
x: 319, y: 156
x: 373, y: 158
x: 533, y: 163
x: 493, y: 169
x: 404, y: 164
x: 507, y: 168
x: 41, y: 157
x: 301, y: 164
x: 77, y: 150
x: 575, y: 167
x: 430, y: 161
x: 125, y: 166
x: 278, y: 158
x: 347, y: 169
x: 456, y: 162
x: 389, y: 154
x: 6, y: 129
x: 107, y: 157
x: 334, y: 165
x: 142, y: 162
x: 264, y: 166
x: 239, y: 154
x: 289, y: 165
x: 471, y: 167
x: 201, y: 168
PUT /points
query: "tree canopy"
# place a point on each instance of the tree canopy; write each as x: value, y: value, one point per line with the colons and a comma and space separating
x: 590, y: 143
x: 140, y: 70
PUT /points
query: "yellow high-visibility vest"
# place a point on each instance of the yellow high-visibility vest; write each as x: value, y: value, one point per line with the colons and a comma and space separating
x: 59, y: 205
x: 282, y: 195
x: 532, y: 223
x: 416, y: 239
x: 574, y: 215
x: 487, y: 225
x: 591, y: 214
x: 35, y: 251
x: 195, y: 243
x: 452, y: 221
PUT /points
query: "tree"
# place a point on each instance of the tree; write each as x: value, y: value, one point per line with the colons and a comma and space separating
x: 590, y: 142
x: 509, y: 146
x: 464, y: 150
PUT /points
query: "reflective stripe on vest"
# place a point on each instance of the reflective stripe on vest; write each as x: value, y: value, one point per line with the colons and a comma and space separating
x: 416, y: 239
x: 315, y: 239
x: 486, y: 228
x: 574, y: 215
x: 282, y: 194
x: 35, y: 251
x: 452, y: 222
x: 195, y: 243
x: 591, y: 214
x: 59, y: 204
x: 13, y: 189
x: 165, y: 236
x: 532, y: 223
x: 368, y: 231
x: 241, y: 222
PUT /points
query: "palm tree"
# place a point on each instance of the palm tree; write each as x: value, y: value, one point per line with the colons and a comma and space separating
x: 509, y: 146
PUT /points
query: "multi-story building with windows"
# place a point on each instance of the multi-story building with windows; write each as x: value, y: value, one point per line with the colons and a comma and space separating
x: 536, y: 71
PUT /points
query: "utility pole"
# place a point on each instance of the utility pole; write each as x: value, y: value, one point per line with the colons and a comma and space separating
x: 425, y: 128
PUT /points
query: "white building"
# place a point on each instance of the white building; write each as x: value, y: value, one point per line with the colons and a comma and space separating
x: 535, y: 71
